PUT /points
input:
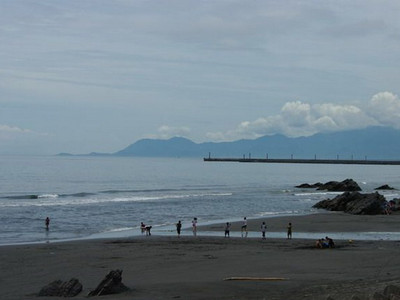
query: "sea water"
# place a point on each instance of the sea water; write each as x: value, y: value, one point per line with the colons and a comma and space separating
x: 90, y: 197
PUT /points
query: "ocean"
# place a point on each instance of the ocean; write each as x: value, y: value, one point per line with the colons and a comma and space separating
x: 94, y: 197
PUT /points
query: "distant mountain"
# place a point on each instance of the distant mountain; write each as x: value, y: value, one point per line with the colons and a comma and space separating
x: 370, y: 143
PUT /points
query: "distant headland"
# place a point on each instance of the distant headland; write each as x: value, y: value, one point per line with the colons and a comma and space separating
x: 361, y: 146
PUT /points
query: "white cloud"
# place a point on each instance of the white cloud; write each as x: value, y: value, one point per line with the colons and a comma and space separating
x: 8, y: 132
x: 303, y: 119
x: 166, y: 132
x: 385, y: 108
x: 15, y: 140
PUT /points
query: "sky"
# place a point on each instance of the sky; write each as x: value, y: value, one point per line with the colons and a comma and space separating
x: 82, y: 75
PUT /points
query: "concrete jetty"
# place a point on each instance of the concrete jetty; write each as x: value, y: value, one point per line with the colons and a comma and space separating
x: 305, y: 161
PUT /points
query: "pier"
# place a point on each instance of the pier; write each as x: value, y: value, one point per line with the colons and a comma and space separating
x: 305, y: 161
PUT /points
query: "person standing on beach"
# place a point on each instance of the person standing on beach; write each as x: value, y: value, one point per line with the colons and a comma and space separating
x: 178, y: 228
x: 227, y: 229
x: 194, y: 226
x: 289, y: 231
x: 142, y: 227
x: 263, y: 230
x: 47, y: 223
x: 244, y: 227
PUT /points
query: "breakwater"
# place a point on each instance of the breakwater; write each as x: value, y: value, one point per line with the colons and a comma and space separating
x: 305, y: 161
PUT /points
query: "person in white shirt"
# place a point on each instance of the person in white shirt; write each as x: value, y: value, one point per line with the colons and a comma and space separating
x: 263, y: 230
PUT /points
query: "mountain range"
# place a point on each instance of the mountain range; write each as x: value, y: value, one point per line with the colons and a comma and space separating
x: 369, y: 143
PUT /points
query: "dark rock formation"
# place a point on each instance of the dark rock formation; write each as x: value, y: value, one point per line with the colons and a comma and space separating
x: 111, y: 284
x: 309, y: 186
x: 384, y: 187
x: 334, y: 186
x: 355, y: 203
x: 59, y: 288
x: 347, y: 185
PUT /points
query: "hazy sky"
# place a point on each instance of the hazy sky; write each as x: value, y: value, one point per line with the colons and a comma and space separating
x: 84, y: 75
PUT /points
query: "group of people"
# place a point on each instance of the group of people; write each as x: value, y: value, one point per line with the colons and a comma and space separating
x: 325, y: 243
x: 227, y: 228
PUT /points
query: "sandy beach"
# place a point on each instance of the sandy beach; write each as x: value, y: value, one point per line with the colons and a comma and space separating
x: 158, y: 267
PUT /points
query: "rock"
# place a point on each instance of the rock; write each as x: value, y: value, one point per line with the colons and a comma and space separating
x: 111, y: 284
x: 385, y: 187
x: 392, y: 290
x: 335, y: 186
x: 59, y: 288
x: 309, y: 186
x: 52, y: 289
x: 355, y: 203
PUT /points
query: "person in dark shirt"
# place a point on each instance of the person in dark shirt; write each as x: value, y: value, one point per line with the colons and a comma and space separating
x: 178, y: 228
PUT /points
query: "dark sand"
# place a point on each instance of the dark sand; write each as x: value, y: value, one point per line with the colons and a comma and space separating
x: 158, y: 267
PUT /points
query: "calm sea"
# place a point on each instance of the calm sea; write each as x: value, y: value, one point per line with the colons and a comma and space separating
x: 88, y: 197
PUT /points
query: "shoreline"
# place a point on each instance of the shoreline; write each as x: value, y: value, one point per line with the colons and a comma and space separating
x: 319, y: 222
x: 305, y: 226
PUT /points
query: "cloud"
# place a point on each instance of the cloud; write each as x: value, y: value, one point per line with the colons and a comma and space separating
x: 7, y: 131
x: 166, y: 132
x: 15, y: 140
x: 385, y: 108
x: 303, y: 119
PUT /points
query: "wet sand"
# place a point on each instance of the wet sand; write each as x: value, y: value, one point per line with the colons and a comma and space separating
x: 160, y: 267
x: 324, y: 222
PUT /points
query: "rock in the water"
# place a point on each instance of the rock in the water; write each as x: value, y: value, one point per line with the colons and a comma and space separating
x: 309, y: 186
x: 385, y: 187
x: 347, y: 185
x: 355, y: 203
x: 59, y: 288
x: 111, y: 284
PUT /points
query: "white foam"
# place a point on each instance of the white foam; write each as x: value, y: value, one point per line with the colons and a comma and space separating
x: 48, y: 200
x: 48, y: 196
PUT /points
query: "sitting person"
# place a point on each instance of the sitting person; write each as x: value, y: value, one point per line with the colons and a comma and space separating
x: 319, y: 243
x: 331, y: 244
x: 324, y: 243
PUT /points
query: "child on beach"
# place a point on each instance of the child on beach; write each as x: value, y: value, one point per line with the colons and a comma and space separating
x: 148, y: 230
x: 47, y: 223
x: 142, y: 227
x: 263, y: 230
x: 178, y: 228
x: 194, y: 226
x: 289, y: 231
x: 227, y: 229
x: 244, y: 227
